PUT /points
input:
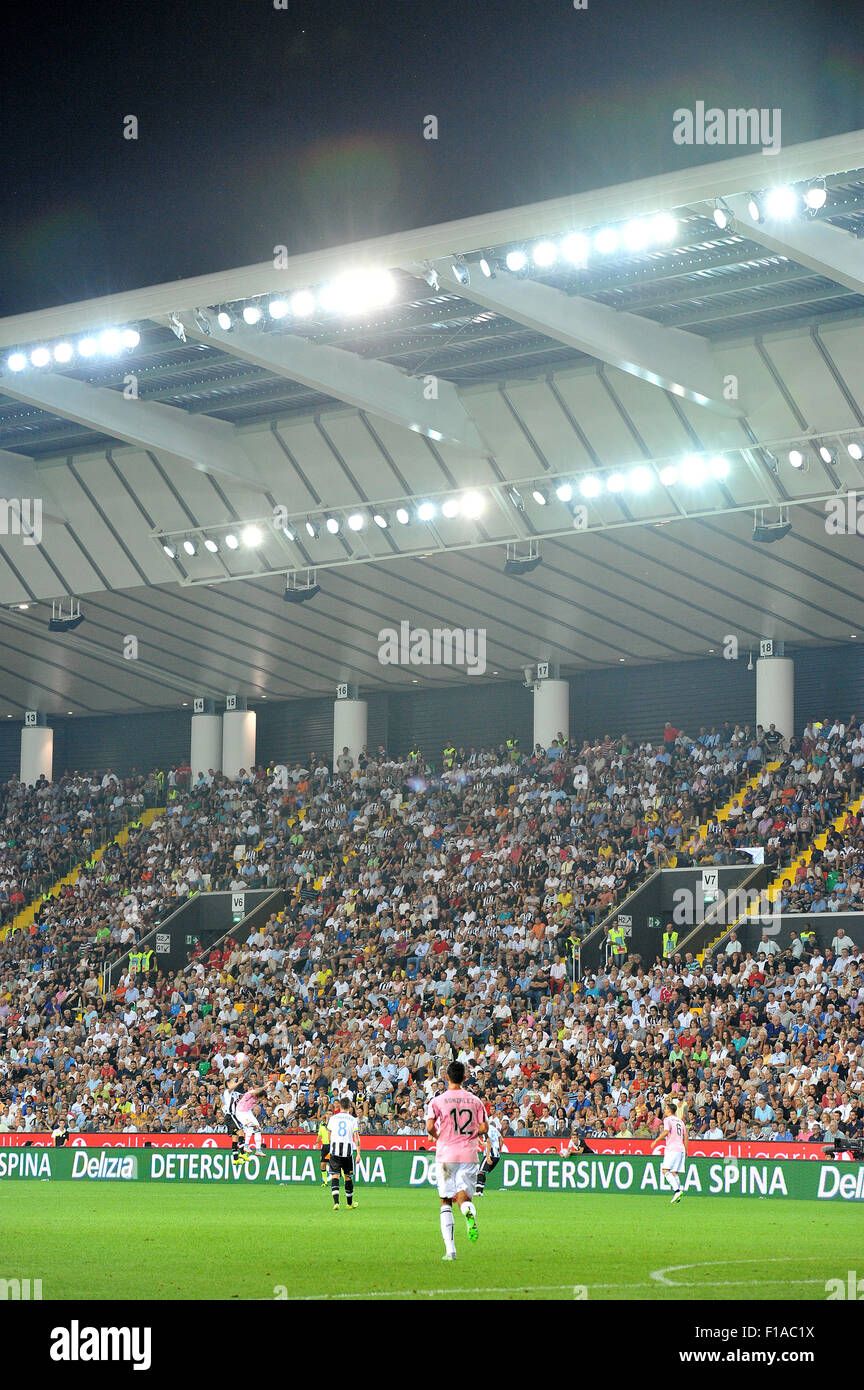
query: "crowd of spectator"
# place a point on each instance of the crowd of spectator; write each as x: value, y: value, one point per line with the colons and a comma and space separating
x: 47, y: 828
x: 790, y: 806
x: 431, y: 911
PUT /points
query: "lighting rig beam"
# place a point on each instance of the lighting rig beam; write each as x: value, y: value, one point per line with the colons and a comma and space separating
x: 375, y: 387
x: 817, y: 245
x: 667, y: 357
x: 210, y: 445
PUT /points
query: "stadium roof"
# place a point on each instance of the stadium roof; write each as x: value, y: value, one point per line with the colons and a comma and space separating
x: 641, y: 344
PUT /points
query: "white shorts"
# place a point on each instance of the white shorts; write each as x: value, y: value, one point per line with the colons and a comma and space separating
x: 674, y: 1160
x: 248, y: 1122
x: 456, y: 1177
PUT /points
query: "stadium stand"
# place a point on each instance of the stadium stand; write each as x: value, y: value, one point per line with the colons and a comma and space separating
x: 427, y: 912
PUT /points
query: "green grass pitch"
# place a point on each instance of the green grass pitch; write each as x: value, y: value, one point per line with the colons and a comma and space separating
x: 109, y: 1240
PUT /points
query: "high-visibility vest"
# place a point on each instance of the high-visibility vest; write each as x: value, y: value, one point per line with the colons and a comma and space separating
x: 146, y: 959
x: 807, y: 935
x: 616, y: 938
x: 670, y: 941
x: 134, y: 960
x: 160, y: 778
x: 449, y: 756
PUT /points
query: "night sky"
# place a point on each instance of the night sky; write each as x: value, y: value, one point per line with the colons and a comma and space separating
x: 303, y: 126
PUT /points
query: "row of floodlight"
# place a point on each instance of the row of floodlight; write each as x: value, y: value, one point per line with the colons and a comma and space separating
x: 468, y: 504
x: 106, y: 344
x: 778, y: 204
x: 575, y: 248
x: 638, y: 234
x: 354, y: 292
x: 251, y: 536
x: 691, y: 472
x: 359, y: 291
x: 854, y: 449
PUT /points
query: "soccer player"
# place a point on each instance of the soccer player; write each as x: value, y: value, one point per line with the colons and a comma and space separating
x: 246, y: 1117
x: 324, y: 1141
x: 342, y: 1129
x: 456, y: 1119
x: 675, y: 1148
x: 492, y: 1156
x: 229, y: 1110
x: 60, y: 1136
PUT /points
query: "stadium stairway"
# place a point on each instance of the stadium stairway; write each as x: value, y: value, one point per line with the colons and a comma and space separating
x: 721, y: 813
x: 27, y: 914
x: 750, y: 785
x: 850, y: 808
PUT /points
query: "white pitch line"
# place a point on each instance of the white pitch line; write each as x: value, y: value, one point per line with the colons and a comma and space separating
x: 659, y: 1274
x: 536, y: 1288
x: 433, y: 1293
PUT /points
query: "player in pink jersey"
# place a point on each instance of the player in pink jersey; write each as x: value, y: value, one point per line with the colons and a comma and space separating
x: 456, y: 1120
x: 675, y: 1147
x: 246, y: 1117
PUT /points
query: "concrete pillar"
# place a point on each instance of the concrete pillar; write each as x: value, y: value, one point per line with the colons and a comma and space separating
x: 551, y: 711
x: 350, y: 718
x: 238, y: 741
x: 775, y: 693
x: 206, y: 745
x: 37, y: 753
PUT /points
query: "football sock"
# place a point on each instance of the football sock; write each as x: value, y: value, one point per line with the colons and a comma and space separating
x: 469, y: 1209
x: 349, y: 1190
x: 447, y: 1230
x: 334, y: 1188
x: 674, y: 1181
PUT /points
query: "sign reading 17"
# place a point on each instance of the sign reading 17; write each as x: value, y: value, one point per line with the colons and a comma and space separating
x: 455, y: 1116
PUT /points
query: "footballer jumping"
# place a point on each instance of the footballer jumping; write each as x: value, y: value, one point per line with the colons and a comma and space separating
x: 244, y: 1114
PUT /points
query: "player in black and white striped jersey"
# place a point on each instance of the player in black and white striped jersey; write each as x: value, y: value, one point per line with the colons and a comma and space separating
x: 230, y: 1098
x: 344, y: 1143
x: 492, y: 1157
